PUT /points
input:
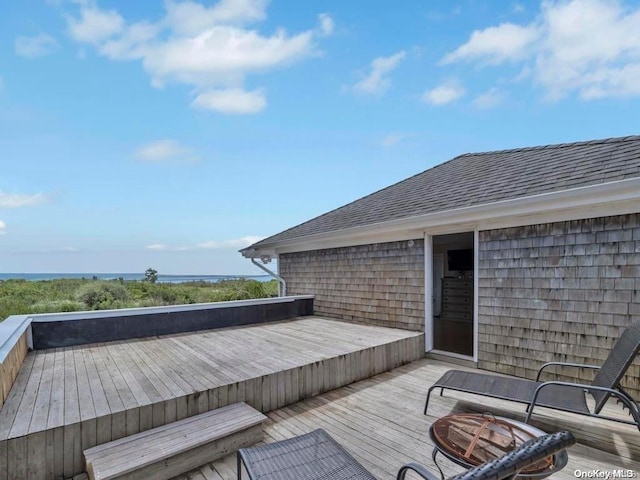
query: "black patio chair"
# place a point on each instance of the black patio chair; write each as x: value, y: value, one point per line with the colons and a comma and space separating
x: 508, y: 466
x: 317, y: 456
x: 566, y: 396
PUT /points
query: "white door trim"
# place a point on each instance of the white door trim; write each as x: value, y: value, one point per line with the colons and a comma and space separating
x: 476, y: 250
x: 428, y: 292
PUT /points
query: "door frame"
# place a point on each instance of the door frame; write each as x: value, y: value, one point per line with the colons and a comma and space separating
x: 428, y: 294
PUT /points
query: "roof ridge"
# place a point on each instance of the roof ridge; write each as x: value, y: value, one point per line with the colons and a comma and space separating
x: 554, y: 146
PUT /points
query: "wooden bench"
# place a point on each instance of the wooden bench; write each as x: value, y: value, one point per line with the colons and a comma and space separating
x: 164, y: 452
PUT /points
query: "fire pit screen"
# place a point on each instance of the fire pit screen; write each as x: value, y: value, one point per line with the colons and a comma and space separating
x: 479, y: 438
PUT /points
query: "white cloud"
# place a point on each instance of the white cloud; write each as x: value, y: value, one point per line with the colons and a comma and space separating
x: 495, y: 45
x: 189, y: 18
x: 393, y: 139
x: 222, y: 56
x: 3, y: 228
x: 232, y: 100
x: 622, y: 82
x: 208, y: 48
x: 327, y: 25
x: 235, y: 243
x: 37, y: 46
x: 132, y: 44
x: 161, y: 247
x: 377, y: 82
x: 157, y: 246
x: 165, y: 151
x: 590, y: 48
x: 447, y: 92
x: 17, y: 200
x: 94, y: 25
x: 489, y: 99
x: 69, y: 249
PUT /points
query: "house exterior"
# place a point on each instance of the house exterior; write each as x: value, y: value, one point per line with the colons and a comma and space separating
x: 506, y: 259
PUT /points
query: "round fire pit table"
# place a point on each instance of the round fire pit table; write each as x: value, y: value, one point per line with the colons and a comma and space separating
x: 473, y: 439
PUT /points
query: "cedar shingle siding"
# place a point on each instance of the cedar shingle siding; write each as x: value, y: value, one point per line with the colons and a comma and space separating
x: 380, y: 284
x: 558, y: 291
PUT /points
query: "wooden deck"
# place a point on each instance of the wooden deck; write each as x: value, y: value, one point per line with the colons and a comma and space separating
x: 70, y: 399
x: 380, y: 421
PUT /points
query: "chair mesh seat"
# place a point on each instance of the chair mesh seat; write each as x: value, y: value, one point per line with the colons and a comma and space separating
x: 515, y: 389
x: 312, y: 456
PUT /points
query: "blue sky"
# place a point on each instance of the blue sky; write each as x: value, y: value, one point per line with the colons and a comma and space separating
x: 169, y: 135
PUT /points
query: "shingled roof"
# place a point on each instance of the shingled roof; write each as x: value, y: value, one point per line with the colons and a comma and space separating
x: 482, y: 178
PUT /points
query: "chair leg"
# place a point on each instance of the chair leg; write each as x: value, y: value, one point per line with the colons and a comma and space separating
x: 239, y: 465
x: 426, y: 403
x: 529, y: 412
x: 418, y: 469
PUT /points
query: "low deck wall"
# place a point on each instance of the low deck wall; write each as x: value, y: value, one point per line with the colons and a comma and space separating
x: 68, y: 329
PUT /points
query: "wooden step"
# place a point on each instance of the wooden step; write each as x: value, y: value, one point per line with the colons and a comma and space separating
x: 164, y: 452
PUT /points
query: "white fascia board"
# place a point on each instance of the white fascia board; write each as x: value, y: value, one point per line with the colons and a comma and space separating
x: 612, y: 198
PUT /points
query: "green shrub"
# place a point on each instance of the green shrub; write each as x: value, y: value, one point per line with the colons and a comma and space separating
x: 103, y: 295
x: 255, y: 289
x: 271, y: 288
x: 54, y: 306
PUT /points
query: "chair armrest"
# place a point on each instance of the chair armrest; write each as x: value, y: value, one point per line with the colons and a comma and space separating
x: 419, y: 469
x: 565, y: 364
x: 624, y: 398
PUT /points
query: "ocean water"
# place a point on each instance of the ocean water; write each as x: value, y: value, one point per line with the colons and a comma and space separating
x: 132, y: 276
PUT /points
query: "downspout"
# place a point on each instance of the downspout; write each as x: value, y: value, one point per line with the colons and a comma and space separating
x: 282, y: 285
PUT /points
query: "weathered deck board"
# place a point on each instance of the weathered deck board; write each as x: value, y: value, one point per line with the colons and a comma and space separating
x: 70, y: 399
x: 380, y: 421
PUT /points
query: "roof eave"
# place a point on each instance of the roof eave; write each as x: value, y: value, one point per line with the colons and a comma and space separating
x: 251, y: 252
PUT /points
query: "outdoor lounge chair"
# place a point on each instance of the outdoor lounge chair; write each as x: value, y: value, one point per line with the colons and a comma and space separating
x: 317, y: 456
x: 566, y: 396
